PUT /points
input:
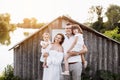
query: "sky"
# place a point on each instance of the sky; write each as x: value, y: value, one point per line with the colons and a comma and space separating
x: 44, y: 11
x: 48, y: 10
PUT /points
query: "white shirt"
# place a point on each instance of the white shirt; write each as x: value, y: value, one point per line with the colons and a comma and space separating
x: 80, y: 42
x: 66, y: 45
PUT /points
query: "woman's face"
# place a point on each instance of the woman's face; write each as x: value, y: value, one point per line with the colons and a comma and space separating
x: 58, y: 38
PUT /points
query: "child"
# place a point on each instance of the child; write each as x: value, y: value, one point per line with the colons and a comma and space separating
x: 45, y: 47
x: 76, y: 46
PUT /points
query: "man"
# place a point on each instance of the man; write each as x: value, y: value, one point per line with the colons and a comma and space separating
x: 75, y: 62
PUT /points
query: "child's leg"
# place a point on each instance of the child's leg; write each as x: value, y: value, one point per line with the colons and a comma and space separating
x: 45, y: 62
x: 66, y: 72
x: 83, y: 58
x: 84, y: 61
x: 66, y: 62
x: 72, y: 53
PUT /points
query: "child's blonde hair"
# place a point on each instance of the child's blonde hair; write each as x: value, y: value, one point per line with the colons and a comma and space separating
x: 46, y: 34
x: 76, y: 26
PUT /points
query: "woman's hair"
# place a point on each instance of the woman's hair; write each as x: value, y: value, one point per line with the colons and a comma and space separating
x: 76, y: 26
x: 62, y: 38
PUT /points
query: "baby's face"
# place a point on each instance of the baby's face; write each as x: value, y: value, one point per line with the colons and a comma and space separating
x: 46, y: 38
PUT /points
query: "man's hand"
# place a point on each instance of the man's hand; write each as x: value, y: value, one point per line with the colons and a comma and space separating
x: 84, y: 50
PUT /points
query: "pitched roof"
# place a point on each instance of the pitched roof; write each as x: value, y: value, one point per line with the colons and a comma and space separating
x: 71, y: 20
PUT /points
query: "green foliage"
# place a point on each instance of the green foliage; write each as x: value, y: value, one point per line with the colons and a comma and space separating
x: 98, y: 26
x: 99, y: 75
x: 26, y: 34
x: 85, y: 74
x: 106, y: 75
x: 103, y: 75
x: 5, y: 28
x: 113, y: 34
x: 30, y: 23
x: 8, y: 74
x: 113, y: 15
x: 5, y: 38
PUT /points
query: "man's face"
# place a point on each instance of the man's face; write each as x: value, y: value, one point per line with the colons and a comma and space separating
x: 68, y: 29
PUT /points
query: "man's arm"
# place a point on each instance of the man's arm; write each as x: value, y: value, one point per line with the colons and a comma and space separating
x: 83, y: 51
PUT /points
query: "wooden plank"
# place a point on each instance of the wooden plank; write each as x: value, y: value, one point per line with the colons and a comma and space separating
x: 21, y: 61
x: 88, y: 44
x: 115, y: 58
x: 109, y: 43
x: 34, y: 58
x: 90, y: 38
x: 99, y: 53
x: 30, y: 61
x: 94, y: 57
x: 15, y: 61
x: 25, y: 51
x: 104, y: 47
x: 40, y: 68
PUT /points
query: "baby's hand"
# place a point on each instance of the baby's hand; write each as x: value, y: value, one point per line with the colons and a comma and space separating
x: 44, y: 65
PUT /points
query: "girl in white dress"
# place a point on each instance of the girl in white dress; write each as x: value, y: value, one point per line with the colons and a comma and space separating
x: 54, y: 59
x: 45, y: 47
x: 77, y: 45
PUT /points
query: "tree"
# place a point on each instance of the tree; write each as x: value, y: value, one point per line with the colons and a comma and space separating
x: 98, y: 25
x: 113, y: 15
x: 113, y: 34
x: 4, y: 33
x: 5, y: 28
x: 33, y: 22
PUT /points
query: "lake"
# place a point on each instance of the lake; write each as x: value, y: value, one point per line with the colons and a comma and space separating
x: 6, y: 57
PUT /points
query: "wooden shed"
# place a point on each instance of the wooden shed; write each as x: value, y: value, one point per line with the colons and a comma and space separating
x: 103, y: 52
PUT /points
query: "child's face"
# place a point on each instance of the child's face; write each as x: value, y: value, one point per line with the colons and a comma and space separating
x: 75, y: 31
x: 46, y: 37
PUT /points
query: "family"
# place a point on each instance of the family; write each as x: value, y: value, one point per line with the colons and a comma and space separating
x: 63, y: 58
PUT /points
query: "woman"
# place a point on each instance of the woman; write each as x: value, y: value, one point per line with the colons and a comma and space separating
x: 54, y: 59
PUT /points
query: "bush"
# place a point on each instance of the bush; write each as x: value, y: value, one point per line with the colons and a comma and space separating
x: 85, y: 74
x: 8, y: 74
x: 99, y: 75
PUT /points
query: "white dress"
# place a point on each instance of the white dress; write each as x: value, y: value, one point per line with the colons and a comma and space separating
x: 54, y: 69
x: 44, y: 50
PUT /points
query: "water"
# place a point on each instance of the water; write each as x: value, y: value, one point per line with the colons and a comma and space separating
x: 6, y: 57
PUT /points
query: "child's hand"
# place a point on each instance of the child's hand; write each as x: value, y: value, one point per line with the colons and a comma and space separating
x: 68, y: 51
x: 44, y: 65
x: 43, y: 46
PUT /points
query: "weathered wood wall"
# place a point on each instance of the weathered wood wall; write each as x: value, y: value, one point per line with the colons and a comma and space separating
x: 103, y: 53
x: 27, y: 63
